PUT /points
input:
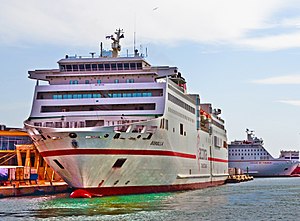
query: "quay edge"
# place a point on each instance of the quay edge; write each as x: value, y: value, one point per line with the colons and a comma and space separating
x: 34, y: 190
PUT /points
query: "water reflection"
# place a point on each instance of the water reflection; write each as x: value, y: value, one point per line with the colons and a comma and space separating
x: 115, y: 205
x: 261, y: 199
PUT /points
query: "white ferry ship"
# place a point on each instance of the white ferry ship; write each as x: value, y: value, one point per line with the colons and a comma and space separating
x: 251, y: 157
x: 112, y: 125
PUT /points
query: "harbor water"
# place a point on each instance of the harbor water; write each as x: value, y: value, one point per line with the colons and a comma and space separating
x: 260, y: 199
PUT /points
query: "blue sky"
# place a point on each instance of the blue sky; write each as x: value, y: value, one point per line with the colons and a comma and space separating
x: 242, y: 56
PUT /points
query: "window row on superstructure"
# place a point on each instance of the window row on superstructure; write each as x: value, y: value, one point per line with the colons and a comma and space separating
x: 247, y: 154
x: 181, y: 115
x: 99, y: 81
x: 247, y: 150
x: 100, y: 107
x: 99, y: 94
x: 180, y: 103
x: 101, y: 67
x: 221, y: 126
x: 96, y: 95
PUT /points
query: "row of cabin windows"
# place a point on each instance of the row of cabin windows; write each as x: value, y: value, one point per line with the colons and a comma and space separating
x: 110, y: 107
x: 247, y: 154
x: 99, y: 81
x: 97, y: 95
x: 246, y: 150
x: 101, y: 67
x: 180, y: 103
x: 261, y: 158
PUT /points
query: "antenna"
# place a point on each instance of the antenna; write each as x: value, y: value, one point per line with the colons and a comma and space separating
x: 141, y: 50
x: 134, y: 33
x: 101, y: 49
x: 134, y: 40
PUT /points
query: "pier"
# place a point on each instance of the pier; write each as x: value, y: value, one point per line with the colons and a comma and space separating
x: 25, y: 189
x: 23, y: 171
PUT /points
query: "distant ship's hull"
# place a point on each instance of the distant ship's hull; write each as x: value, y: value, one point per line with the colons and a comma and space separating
x: 266, y: 168
x: 98, y: 162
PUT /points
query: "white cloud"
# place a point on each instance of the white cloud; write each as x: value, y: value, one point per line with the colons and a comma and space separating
x: 275, y: 42
x: 290, y: 22
x: 81, y: 23
x: 290, y: 102
x: 288, y: 79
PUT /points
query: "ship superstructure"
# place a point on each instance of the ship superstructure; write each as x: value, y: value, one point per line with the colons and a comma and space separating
x: 251, y: 156
x: 117, y: 125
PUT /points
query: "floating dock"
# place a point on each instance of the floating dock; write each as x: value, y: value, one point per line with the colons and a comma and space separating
x: 238, y: 178
x: 236, y: 175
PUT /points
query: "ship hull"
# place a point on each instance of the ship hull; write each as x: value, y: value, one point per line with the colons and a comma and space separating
x: 270, y: 168
x: 127, y: 190
x: 102, y: 164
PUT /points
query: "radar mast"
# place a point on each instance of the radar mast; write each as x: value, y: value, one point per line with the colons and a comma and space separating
x: 115, y: 45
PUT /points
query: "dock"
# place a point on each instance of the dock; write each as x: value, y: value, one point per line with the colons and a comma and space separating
x: 23, y: 171
x: 45, y: 188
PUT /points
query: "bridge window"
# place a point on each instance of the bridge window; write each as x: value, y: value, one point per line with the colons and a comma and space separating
x: 107, y: 67
x: 94, y: 67
x: 87, y: 67
x: 81, y: 67
x: 114, y: 66
x: 120, y: 66
x: 139, y: 66
x: 126, y: 66
x: 132, y: 66
x: 69, y: 67
x: 100, y: 67
x: 75, y: 67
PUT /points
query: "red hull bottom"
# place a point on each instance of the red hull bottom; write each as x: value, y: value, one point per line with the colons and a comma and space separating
x: 111, y: 191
